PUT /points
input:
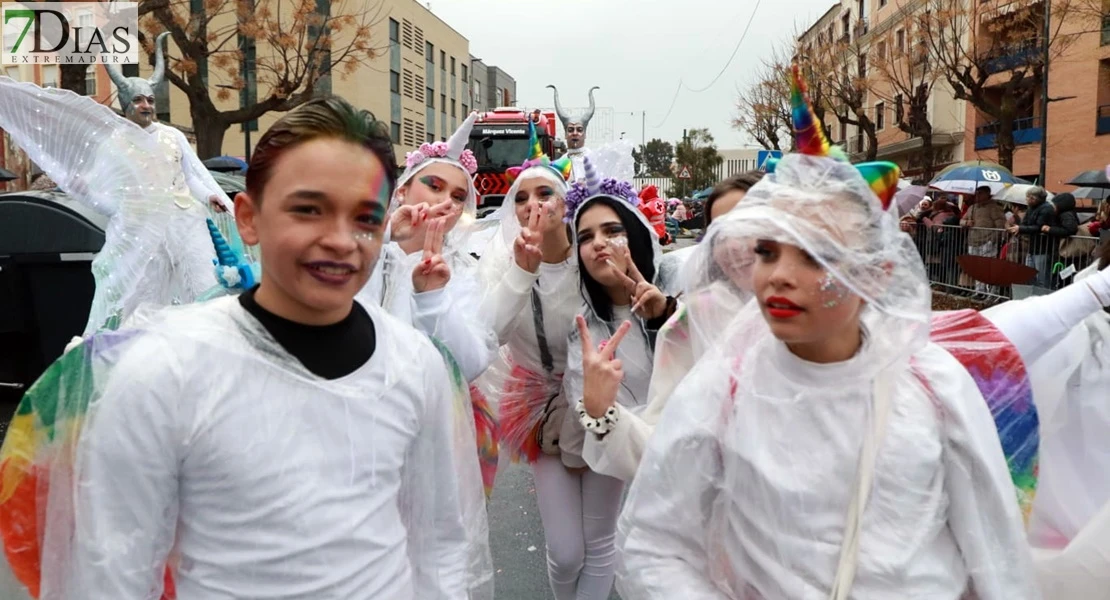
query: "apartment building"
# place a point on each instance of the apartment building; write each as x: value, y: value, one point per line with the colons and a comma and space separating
x: 421, y: 84
x: 1078, y: 132
x: 874, y: 41
x: 490, y: 87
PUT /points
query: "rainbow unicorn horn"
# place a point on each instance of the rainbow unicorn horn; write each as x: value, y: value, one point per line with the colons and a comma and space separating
x: 810, y: 139
x: 536, y: 158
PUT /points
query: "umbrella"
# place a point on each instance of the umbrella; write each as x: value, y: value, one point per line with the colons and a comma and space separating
x: 965, y: 177
x: 995, y: 271
x: 1095, y: 178
x: 225, y: 164
x: 1015, y: 194
x: 1092, y: 193
x: 908, y: 197
x: 6, y: 175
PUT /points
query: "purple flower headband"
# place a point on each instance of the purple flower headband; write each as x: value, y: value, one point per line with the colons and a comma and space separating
x: 580, y: 192
x: 441, y: 150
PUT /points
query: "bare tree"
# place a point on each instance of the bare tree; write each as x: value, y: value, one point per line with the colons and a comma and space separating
x: 838, y: 81
x: 763, y: 111
x: 903, y: 80
x: 280, y: 51
x: 990, y: 53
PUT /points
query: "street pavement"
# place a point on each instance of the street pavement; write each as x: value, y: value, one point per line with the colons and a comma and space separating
x: 516, y: 537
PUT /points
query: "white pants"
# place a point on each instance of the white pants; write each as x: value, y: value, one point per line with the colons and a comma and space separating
x: 579, y: 513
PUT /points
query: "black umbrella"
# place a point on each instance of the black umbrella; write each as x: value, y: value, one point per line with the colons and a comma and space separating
x: 1095, y: 178
x: 225, y: 164
x: 1092, y: 193
x: 6, y: 175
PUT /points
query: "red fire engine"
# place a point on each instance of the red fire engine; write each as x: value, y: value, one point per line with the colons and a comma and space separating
x: 499, y: 141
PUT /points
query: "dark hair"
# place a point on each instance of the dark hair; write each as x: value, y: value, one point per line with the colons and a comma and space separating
x: 741, y: 182
x: 327, y: 117
x: 639, y: 245
x: 983, y: 188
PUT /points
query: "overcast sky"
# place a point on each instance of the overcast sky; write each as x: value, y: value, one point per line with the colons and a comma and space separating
x: 635, y: 50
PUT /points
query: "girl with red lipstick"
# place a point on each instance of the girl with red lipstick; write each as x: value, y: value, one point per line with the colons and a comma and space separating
x: 824, y: 447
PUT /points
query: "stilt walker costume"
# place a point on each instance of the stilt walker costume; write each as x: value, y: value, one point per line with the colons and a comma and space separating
x: 145, y: 178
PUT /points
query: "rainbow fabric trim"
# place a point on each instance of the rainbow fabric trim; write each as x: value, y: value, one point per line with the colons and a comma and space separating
x: 999, y: 372
x: 42, y: 441
x: 537, y: 158
x: 810, y: 139
x: 471, y: 403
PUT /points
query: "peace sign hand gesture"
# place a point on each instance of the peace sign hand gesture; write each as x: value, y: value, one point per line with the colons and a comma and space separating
x: 647, y: 301
x: 601, y: 373
x: 407, y: 221
x: 526, y: 247
x: 432, y: 273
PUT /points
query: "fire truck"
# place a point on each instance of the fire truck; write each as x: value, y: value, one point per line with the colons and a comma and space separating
x: 499, y: 141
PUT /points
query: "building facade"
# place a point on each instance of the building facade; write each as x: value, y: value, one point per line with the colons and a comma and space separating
x: 500, y: 88
x: 422, y: 84
x: 872, y: 44
x: 479, y: 79
x: 1078, y: 132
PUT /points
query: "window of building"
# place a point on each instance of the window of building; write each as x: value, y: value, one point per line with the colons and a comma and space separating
x: 465, y: 111
x: 846, y: 23
x: 442, y: 60
x: 430, y: 138
x: 880, y: 116
x: 861, y: 65
x: 443, y: 102
x: 900, y: 40
x: 898, y: 114
x: 85, y: 19
x: 843, y: 132
x: 395, y: 82
x: 395, y: 132
x: 90, y: 80
x: 452, y: 65
x: 453, y: 113
x: 881, y: 51
x: 882, y: 3
x: 464, y: 73
x: 477, y: 91
x: 431, y: 97
x: 394, y: 31
x: 429, y: 51
x: 50, y: 76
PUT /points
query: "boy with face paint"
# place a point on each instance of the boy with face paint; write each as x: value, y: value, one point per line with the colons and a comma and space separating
x: 288, y: 442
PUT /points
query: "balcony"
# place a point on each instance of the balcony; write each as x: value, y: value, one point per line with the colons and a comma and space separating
x: 1011, y: 56
x: 1026, y: 131
x: 1102, y: 122
x: 1104, y: 39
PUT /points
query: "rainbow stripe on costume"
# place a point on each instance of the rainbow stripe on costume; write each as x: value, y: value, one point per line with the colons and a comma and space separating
x: 999, y: 372
x: 41, y: 447
x: 471, y: 403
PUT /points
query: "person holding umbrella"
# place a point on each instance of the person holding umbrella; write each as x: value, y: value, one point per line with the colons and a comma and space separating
x: 985, y: 219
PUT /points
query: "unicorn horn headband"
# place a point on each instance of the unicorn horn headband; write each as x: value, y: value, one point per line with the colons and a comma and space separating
x: 453, y: 149
x: 594, y: 185
x: 536, y: 158
x: 810, y: 139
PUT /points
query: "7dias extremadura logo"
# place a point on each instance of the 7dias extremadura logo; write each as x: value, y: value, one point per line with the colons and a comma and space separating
x: 67, y: 33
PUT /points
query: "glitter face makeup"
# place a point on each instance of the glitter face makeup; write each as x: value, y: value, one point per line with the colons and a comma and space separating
x: 832, y: 291
x: 618, y: 242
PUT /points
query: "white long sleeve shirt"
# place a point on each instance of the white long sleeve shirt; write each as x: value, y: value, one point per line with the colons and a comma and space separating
x: 449, y: 314
x: 747, y: 497
x: 264, y: 480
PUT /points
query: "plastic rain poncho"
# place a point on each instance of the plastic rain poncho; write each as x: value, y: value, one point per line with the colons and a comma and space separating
x: 746, y: 487
x: 149, y: 182
x: 193, y: 449
x: 636, y: 353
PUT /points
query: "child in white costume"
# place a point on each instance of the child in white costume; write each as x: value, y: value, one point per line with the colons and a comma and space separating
x: 287, y: 443
x: 824, y: 448
x: 433, y: 209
